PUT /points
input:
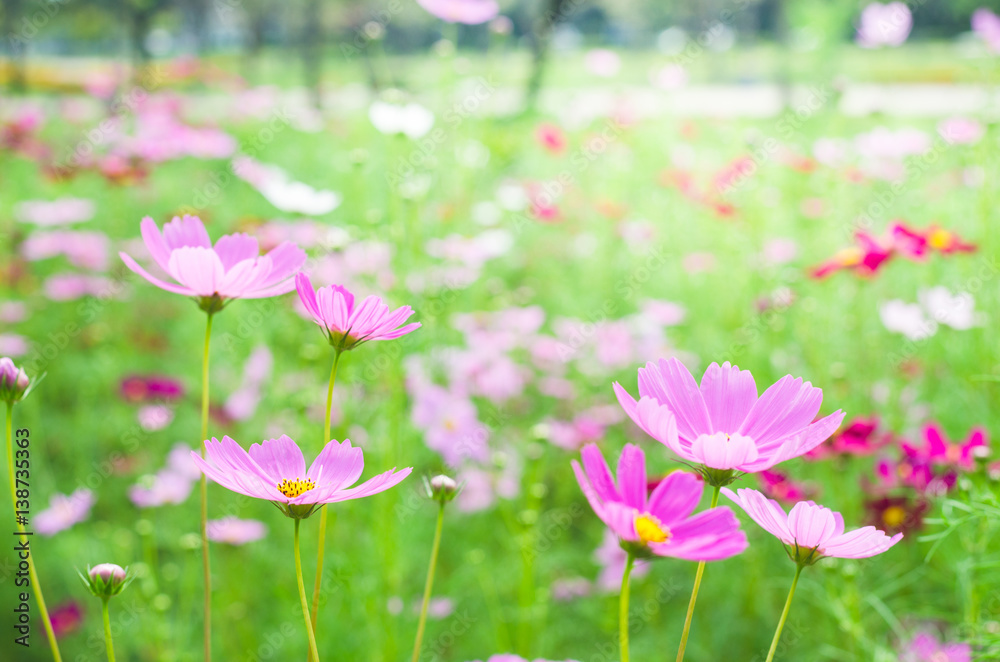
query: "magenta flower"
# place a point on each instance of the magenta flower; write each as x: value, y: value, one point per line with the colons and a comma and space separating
x: 214, y: 275
x: 470, y: 12
x: 346, y: 325
x: 723, y: 425
x: 235, y: 531
x: 275, y: 470
x: 660, y: 524
x: 925, y: 647
x: 937, y: 449
x: 986, y: 24
x: 810, y: 532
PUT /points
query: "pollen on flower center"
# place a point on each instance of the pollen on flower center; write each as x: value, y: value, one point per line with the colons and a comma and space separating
x: 649, y: 529
x: 293, y: 488
x: 894, y: 516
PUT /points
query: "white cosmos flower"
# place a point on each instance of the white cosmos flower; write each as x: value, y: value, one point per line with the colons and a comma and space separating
x: 412, y: 119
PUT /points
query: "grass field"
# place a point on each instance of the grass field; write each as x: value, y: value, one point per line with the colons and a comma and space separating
x: 724, y: 218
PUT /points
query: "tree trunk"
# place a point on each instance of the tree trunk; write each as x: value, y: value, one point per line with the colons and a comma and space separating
x: 312, y: 54
x: 554, y: 12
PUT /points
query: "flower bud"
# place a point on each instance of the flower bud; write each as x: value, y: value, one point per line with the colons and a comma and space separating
x: 106, y: 579
x: 441, y: 488
x: 13, y: 381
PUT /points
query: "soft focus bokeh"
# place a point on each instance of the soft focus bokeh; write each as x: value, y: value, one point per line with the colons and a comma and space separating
x: 563, y: 190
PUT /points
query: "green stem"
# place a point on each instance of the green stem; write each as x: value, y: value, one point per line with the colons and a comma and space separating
x: 205, y: 562
x: 623, y: 609
x: 32, y: 573
x: 784, y: 614
x: 323, y: 513
x: 107, y: 631
x: 313, y: 652
x: 694, y: 591
x: 429, y: 584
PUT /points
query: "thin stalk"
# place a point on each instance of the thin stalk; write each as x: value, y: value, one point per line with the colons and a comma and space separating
x: 107, y: 630
x: 784, y: 614
x: 623, y: 609
x: 694, y: 592
x: 323, y: 512
x: 313, y: 652
x: 429, y: 584
x: 205, y: 562
x: 32, y: 573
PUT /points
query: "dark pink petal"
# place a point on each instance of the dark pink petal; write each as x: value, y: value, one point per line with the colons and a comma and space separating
x: 307, y: 295
x: 632, y: 477
x: 711, y: 535
x: 675, y: 498
x: 599, y: 474
x: 729, y: 394
x: 596, y: 504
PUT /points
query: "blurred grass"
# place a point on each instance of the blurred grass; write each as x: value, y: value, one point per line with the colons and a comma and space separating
x: 378, y: 547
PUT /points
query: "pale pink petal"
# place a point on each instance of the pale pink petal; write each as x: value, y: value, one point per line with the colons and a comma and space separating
x: 729, y: 394
x: 672, y: 385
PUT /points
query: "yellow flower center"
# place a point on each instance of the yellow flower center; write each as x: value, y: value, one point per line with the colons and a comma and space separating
x: 649, y: 529
x: 953, y: 454
x: 894, y: 516
x: 450, y: 425
x: 293, y: 488
x: 849, y: 256
x: 939, y: 238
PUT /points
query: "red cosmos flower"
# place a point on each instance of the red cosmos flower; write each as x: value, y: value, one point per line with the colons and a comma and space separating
x: 778, y: 485
x: 66, y: 618
x: 897, y: 514
x: 148, y: 388
x: 870, y: 252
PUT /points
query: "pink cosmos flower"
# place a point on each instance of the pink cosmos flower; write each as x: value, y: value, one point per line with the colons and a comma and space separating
x: 470, y: 12
x: 232, y: 269
x: 810, y: 532
x: 780, y: 486
x: 659, y: 524
x: 166, y: 487
x: 63, y: 211
x: 64, y: 511
x: 724, y: 425
x: 884, y: 25
x: 961, y: 130
x: 347, y: 325
x: 275, y: 470
x: 88, y: 250
x: 925, y: 647
x: 986, y: 24
x: 235, y: 531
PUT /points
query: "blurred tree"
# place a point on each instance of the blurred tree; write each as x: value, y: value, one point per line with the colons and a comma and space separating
x: 13, y: 19
x: 552, y: 13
